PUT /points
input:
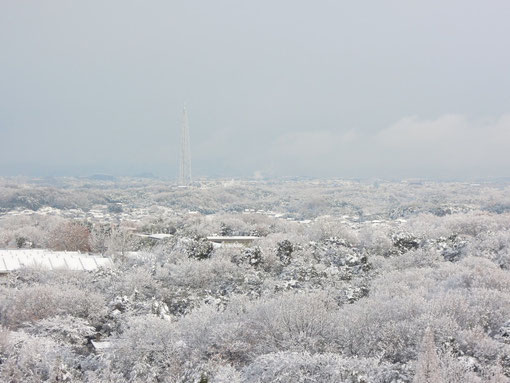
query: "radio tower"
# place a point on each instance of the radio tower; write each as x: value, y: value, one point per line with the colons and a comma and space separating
x: 185, y: 160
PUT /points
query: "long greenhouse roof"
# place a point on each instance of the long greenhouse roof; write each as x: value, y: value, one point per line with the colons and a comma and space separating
x: 13, y: 259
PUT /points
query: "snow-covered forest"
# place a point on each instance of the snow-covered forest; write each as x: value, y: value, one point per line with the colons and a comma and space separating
x: 346, y: 281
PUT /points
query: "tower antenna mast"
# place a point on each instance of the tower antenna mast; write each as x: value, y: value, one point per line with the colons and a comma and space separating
x: 185, y: 155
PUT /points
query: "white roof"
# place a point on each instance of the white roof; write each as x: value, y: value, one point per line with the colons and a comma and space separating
x: 155, y: 236
x: 160, y: 236
x: 100, y: 346
x: 232, y: 237
x: 235, y: 238
x: 12, y: 259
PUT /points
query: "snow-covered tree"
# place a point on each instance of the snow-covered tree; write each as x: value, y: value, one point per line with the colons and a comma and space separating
x: 428, y: 366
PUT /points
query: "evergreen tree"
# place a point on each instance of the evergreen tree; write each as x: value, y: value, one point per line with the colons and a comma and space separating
x: 428, y: 368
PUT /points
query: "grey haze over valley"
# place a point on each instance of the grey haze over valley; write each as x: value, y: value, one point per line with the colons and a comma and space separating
x: 288, y: 88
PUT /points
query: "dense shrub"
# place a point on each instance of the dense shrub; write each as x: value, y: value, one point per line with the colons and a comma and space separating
x: 347, y: 281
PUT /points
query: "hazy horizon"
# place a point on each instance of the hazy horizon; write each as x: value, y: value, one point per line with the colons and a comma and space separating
x: 329, y: 89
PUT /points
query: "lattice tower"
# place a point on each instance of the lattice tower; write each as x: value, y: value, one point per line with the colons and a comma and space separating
x: 185, y: 157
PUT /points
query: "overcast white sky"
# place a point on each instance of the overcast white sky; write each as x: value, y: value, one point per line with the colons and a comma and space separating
x: 296, y: 88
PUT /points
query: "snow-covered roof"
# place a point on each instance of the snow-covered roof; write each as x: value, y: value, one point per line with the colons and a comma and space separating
x: 156, y: 235
x: 13, y: 259
x: 232, y: 239
x: 101, y: 346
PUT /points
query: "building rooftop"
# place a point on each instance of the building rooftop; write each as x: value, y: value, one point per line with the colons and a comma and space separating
x: 13, y: 259
x: 232, y: 239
